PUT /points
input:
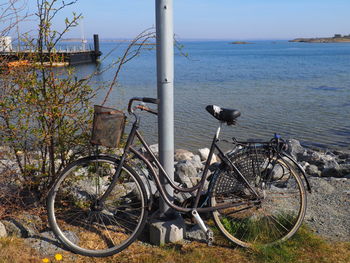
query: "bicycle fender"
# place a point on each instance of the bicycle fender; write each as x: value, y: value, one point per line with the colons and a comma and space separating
x: 301, y: 169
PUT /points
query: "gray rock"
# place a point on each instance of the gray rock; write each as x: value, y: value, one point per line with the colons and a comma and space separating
x: 312, y: 170
x: 277, y: 172
x: 152, y: 185
x: 195, y: 233
x: 196, y: 162
x: 182, y: 155
x: 25, y: 226
x: 294, y: 148
x: 195, y: 179
x: 3, y: 232
x: 331, y: 169
x: 204, y: 154
x: 344, y: 156
x: 47, y: 244
x: 154, y: 148
x: 184, y: 170
x: 344, y: 169
x: 14, y: 230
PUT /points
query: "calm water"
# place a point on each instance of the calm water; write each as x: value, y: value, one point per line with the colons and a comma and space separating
x: 299, y: 90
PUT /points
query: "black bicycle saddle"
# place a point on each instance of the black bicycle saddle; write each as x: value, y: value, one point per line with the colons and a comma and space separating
x: 225, y: 115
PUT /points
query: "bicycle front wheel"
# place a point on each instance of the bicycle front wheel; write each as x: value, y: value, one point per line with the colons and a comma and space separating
x: 278, y: 214
x: 83, y: 223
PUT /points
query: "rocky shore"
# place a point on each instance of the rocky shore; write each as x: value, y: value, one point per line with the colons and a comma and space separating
x: 328, y: 212
x: 344, y: 39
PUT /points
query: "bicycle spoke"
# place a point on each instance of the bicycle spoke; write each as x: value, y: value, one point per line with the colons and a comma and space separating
x: 99, y: 227
x: 281, y: 207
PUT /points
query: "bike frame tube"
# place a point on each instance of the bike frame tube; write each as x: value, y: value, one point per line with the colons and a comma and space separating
x: 199, y: 187
x: 176, y: 207
x: 116, y: 175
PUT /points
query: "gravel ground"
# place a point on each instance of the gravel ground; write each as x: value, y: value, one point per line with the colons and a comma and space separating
x: 328, y: 210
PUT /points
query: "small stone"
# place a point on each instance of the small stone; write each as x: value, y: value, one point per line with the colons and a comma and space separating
x: 3, y: 232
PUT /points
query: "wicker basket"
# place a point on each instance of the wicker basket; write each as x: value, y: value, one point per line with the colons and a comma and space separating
x: 108, y: 126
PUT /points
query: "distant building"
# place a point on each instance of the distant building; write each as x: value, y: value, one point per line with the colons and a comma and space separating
x: 337, y: 35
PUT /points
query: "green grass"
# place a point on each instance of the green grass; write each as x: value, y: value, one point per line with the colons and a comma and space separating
x: 304, y: 246
x: 260, y: 229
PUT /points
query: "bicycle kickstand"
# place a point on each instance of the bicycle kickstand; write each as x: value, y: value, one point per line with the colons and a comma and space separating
x: 208, y: 232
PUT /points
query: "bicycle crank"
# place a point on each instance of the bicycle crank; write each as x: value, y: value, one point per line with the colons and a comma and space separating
x: 208, y: 232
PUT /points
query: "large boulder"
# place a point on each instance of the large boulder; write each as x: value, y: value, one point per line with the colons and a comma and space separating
x: 204, y: 154
x: 183, y: 171
x: 182, y: 155
x: 187, y: 171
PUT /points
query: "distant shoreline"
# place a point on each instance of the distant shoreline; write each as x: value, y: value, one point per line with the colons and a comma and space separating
x: 335, y: 39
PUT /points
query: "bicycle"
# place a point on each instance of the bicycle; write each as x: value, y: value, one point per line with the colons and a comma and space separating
x: 256, y: 194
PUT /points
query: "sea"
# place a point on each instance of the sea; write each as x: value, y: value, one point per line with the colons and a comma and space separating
x: 298, y: 90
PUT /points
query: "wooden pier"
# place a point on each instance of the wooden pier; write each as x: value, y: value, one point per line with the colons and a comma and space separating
x: 62, y: 57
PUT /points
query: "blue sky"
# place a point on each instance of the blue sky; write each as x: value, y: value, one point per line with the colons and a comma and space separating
x: 215, y: 19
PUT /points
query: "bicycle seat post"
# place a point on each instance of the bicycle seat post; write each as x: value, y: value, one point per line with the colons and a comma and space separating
x: 219, y: 130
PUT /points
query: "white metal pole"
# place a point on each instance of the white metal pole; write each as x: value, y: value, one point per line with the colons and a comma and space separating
x: 165, y: 89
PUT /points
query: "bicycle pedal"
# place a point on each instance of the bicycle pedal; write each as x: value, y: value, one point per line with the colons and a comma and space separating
x: 210, y: 237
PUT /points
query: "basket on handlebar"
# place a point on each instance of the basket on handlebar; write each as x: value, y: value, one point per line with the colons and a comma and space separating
x: 108, y: 126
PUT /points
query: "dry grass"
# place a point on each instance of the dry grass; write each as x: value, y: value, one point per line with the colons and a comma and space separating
x: 13, y: 250
x: 304, y: 247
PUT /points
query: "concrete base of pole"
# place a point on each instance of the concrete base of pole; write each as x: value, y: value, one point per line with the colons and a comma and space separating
x: 170, y: 231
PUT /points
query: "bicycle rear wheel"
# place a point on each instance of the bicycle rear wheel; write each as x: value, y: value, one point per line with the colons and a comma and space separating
x: 281, y: 210
x: 82, y: 224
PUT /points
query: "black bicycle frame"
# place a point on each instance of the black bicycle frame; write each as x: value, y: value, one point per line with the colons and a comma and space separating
x: 199, y: 187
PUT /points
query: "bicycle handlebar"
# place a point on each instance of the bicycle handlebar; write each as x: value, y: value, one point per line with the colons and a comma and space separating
x: 144, y: 99
x: 145, y: 108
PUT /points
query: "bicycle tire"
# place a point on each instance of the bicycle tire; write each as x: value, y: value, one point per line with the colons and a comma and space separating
x: 101, y: 232
x: 280, y: 213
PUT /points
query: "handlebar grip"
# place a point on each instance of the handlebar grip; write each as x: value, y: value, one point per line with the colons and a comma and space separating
x: 146, y: 100
x: 150, y: 100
